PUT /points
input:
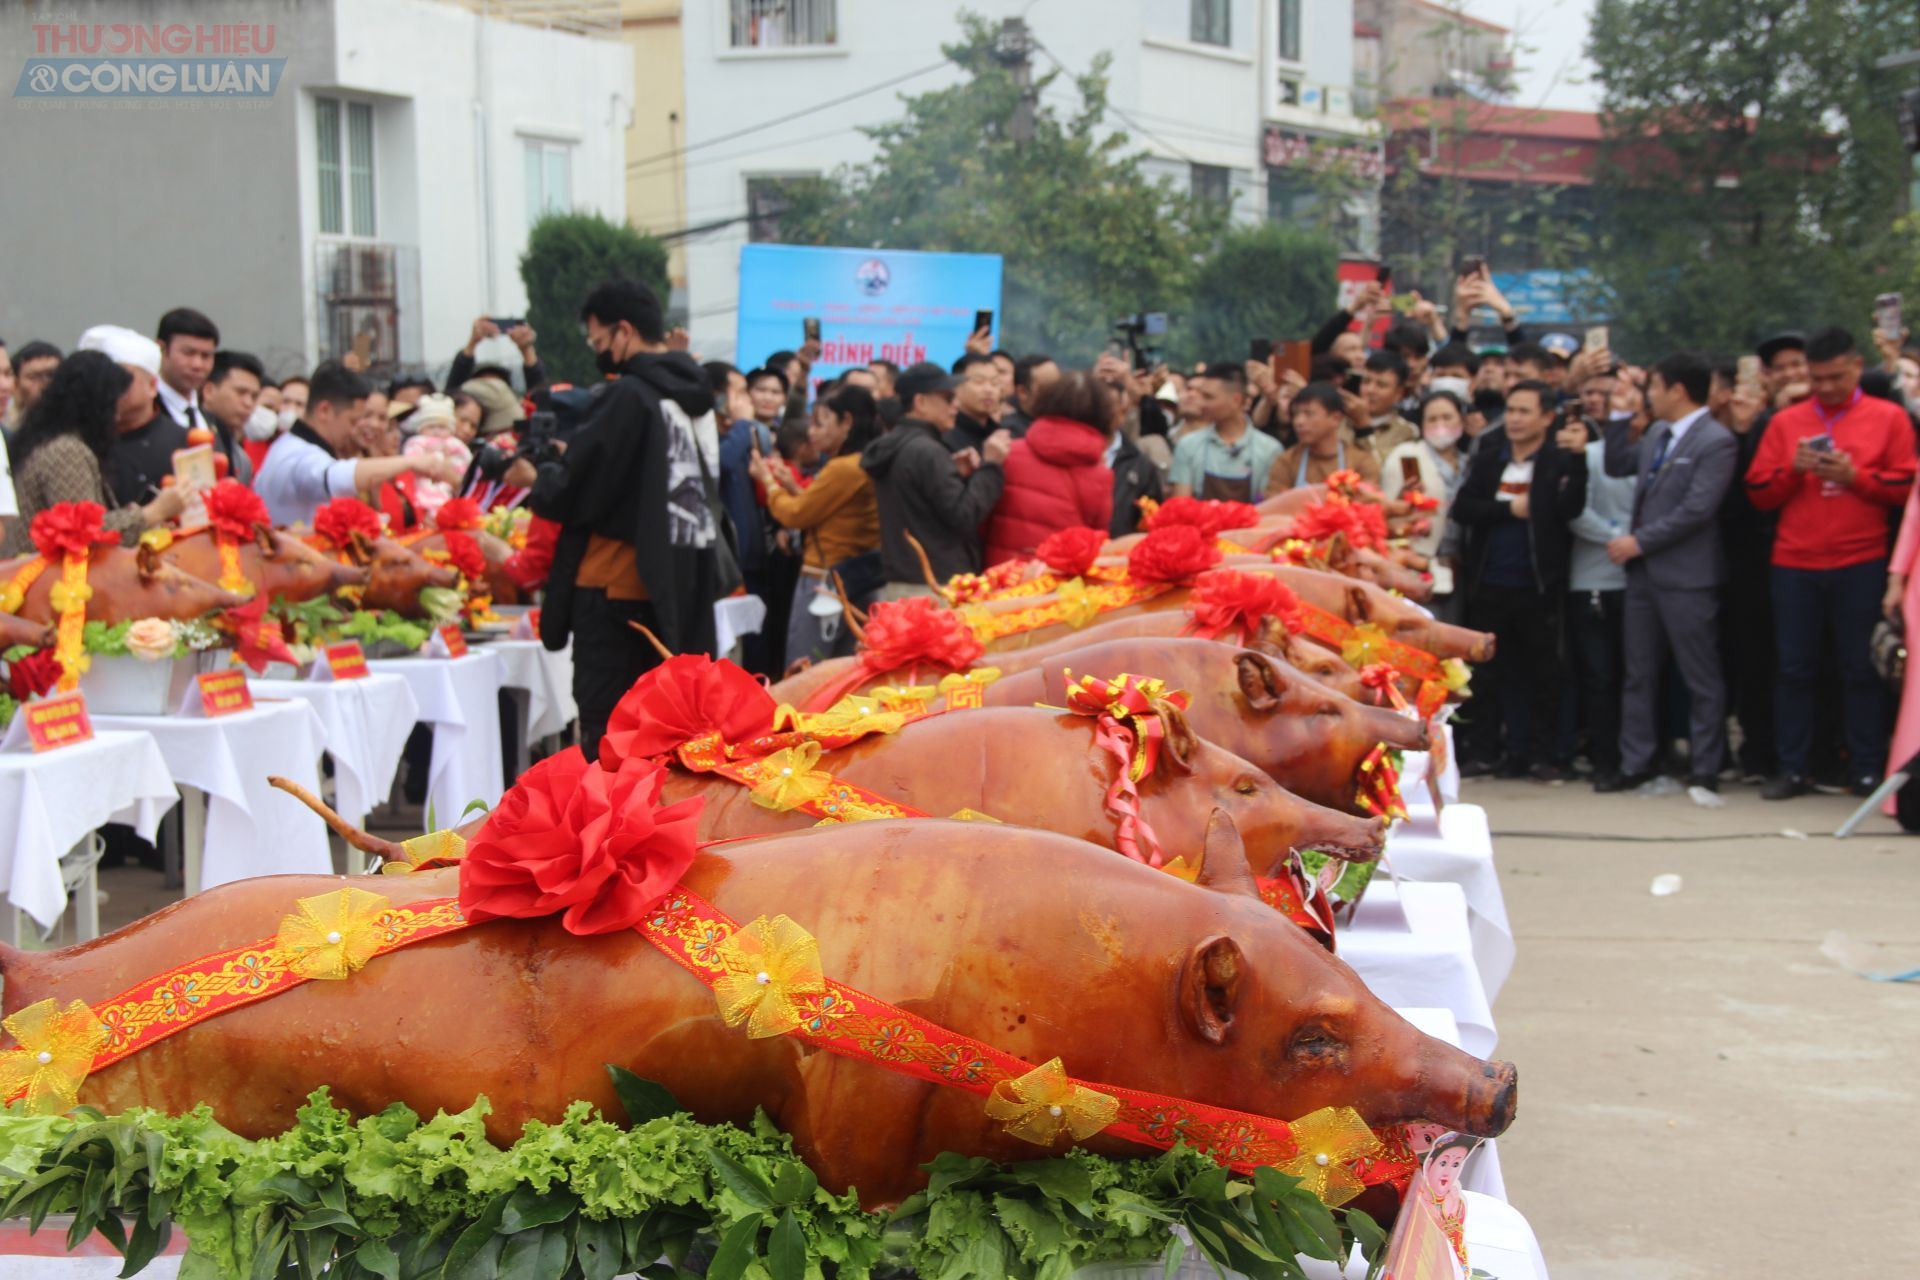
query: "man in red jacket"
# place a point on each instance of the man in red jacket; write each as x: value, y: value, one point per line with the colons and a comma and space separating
x: 1835, y: 466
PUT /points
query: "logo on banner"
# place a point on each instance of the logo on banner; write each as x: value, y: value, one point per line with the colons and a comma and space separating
x: 873, y: 277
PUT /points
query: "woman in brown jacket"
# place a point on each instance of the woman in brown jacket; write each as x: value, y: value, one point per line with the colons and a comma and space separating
x: 62, y: 445
x: 836, y: 513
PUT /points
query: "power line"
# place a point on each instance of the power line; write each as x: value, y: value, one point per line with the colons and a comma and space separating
x: 786, y: 119
x: 1142, y: 129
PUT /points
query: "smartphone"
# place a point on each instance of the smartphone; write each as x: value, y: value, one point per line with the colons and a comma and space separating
x: 1597, y: 338
x: 1409, y: 472
x: 983, y: 319
x: 1886, y: 315
x: 811, y: 328
x: 1384, y: 275
x: 507, y: 322
x: 1352, y: 383
x: 1822, y: 443
x: 1260, y: 349
x: 1476, y: 265
x: 1296, y: 355
x: 1747, y: 373
x: 363, y: 348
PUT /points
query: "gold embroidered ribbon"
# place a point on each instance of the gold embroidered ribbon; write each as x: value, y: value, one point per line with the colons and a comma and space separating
x: 1076, y: 609
x: 69, y: 599
x: 232, y: 577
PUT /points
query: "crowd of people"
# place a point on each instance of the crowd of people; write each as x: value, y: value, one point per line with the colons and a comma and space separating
x: 1660, y: 551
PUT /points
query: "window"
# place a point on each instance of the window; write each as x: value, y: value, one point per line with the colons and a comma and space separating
x: 1289, y: 25
x: 1288, y: 90
x: 1211, y: 22
x: 779, y: 24
x: 344, y: 167
x: 549, y: 178
x: 1213, y: 184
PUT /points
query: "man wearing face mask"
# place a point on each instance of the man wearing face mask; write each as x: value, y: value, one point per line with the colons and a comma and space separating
x: 635, y: 496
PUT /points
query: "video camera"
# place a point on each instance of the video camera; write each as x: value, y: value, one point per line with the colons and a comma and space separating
x: 1142, y: 324
x: 534, y: 443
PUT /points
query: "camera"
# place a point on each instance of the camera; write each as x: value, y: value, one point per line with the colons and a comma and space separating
x: 1142, y: 324
x: 535, y: 444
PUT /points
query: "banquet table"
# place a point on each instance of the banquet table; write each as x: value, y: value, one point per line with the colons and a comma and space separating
x: 245, y: 827
x: 367, y: 721
x: 1410, y: 944
x: 1456, y: 846
x: 458, y: 697
x: 51, y: 800
x: 541, y: 681
x: 734, y: 617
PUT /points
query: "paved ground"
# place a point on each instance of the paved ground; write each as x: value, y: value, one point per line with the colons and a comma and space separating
x: 1703, y: 1093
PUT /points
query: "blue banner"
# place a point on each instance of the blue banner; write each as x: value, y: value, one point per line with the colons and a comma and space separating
x: 149, y: 77
x: 872, y: 304
x: 1548, y: 297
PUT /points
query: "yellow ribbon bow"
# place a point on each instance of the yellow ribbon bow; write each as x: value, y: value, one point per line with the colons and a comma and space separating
x: 769, y: 963
x: 57, y: 1049
x: 332, y: 934
x: 1327, y: 1140
x: 906, y: 699
x: 1456, y: 674
x: 788, y: 779
x: 1043, y: 1105
x: 1365, y: 645
x: 855, y: 713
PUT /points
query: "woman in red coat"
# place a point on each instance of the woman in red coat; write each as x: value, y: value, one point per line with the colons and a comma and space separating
x: 1057, y: 475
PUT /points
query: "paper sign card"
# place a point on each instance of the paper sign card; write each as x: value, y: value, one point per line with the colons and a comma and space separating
x: 48, y: 724
x: 526, y: 626
x: 343, y: 661
x: 448, y: 642
x: 194, y: 467
x: 224, y: 693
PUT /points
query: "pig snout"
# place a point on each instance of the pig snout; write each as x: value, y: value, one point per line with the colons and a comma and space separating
x: 1498, y: 1113
x: 347, y: 575
x: 1396, y: 730
x: 1464, y: 1093
x: 1482, y: 650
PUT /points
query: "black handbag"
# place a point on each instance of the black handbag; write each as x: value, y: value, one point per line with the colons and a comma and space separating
x: 1888, y: 650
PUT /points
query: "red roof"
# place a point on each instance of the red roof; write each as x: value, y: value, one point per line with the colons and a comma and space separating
x: 1494, y: 118
x: 1457, y: 16
x: 1365, y: 31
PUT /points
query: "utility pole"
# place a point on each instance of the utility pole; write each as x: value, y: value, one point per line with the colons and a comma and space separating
x: 1013, y: 49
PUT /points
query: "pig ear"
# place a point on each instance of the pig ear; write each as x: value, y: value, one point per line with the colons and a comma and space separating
x: 362, y: 549
x: 147, y: 561
x: 1179, y: 741
x: 1210, y: 988
x: 264, y: 537
x: 1339, y: 553
x: 1359, y: 604
x: 1256, y: 680
x: 1223, y: 866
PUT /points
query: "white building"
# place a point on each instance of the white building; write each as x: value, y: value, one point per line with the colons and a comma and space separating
x: 381, y: 194
x: 1221, y: 94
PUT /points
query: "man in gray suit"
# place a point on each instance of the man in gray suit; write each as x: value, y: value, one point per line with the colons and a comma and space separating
x: 1675, y: 567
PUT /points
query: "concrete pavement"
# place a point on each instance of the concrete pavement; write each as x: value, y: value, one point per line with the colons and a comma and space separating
x: 1703, y: 1093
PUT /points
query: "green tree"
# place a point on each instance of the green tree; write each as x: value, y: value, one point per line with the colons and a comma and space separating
x: 1086, y: 236
x: 567, y: 255
x: 1272, y: 280
x: 1752, y: 168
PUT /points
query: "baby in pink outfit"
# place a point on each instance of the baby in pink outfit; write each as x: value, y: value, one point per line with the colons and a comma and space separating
x: 439, y: 433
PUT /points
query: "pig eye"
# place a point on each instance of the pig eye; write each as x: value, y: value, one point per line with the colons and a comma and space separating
x: 1313, y: 1043
x: 1246, y: 786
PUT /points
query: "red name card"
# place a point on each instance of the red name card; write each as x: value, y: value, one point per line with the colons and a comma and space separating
x: 57, y: 722
x: 456, y: 643
x: 346, y: 660
x: 224, y: 693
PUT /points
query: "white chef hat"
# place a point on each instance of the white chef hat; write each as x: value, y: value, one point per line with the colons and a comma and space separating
x: 123, y: 346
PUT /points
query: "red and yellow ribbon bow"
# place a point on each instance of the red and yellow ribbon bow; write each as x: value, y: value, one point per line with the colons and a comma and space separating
x: 1130, y: 714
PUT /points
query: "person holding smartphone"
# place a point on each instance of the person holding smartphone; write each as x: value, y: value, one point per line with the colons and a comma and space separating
x: 1833, y: 465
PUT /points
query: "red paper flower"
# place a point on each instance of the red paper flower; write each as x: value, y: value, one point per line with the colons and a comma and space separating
x: 1210, y: 517
x: 257, y: 638
x: 1172, y: 554
x: 1071, y: 552
x: 917, y: 629
x: 458, y: 513
x: 33, y: 675
x: 681, y: 699
x: 464, y: 554
x: 337, y: 521
x: 592, y: 843
x: 1228, y: 600
x: 233, y: 509
x: 70, y: 527
x: 1364, y: 524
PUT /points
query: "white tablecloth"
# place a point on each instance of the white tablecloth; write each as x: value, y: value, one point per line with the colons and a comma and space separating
x: 367, y: 722
x: 1425, y: 961
x: 1483, y: 1168
x: 49, y: 802
x: 1413, y: 775
x: 457, y: 696
x: 1456, y: 847
x: 546, y: 676
x: 734, y: 617
x: 252, y: 829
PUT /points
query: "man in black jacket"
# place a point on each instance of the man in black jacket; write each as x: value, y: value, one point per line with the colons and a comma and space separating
x: 1522, y: 488
x: 634, y: 495
x: 938, y: 497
